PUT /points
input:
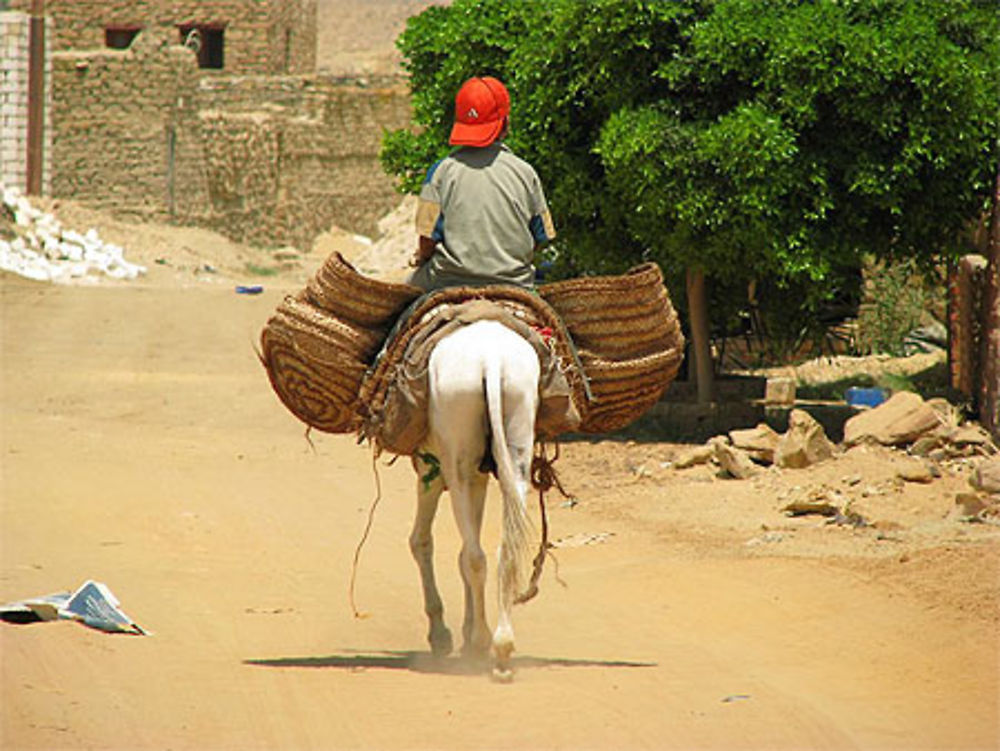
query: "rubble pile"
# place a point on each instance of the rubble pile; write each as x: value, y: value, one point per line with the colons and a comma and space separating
x: 926, y: 434
x: 34, y: 244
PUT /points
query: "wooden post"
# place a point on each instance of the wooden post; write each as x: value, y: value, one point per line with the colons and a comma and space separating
x: 989, y: 401
x: 700, y: 344
x: 36, y: 99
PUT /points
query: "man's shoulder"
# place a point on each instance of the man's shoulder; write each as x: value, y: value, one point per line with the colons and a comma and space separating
x: 507, y: 156
x: 435, y: 168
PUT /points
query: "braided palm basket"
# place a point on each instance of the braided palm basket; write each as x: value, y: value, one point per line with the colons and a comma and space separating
x: 624, y: 389
x: 319, y: 346
x: 629, y: 337
x: 357, y: 299
x: 319, y: 343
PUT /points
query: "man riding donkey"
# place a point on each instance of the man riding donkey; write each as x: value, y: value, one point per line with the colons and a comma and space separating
x: 482, y: 213
x: 469, y: 369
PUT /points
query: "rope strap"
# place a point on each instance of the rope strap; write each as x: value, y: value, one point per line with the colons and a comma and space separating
x: 543, y: 477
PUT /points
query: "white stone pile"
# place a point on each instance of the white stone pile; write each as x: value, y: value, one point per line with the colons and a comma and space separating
x: 42, y: 249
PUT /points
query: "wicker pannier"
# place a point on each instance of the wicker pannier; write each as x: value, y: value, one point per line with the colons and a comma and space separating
x: 629, y: 337
x: 355, y: 298
x: 319, y: 346
x: 316, y: 363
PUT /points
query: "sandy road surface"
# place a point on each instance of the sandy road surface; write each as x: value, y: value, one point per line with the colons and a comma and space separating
x: 141, y: 446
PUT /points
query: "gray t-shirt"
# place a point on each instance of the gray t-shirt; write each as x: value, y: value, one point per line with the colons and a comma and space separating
x: 485, y: 209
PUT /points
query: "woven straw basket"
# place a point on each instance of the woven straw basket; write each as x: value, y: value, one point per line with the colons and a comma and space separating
x: 319, y: 344
x: 629, y: 338
x: 639, y: 291
x: 623, y: 390
x: 357, y: 299
x: 316, y: 362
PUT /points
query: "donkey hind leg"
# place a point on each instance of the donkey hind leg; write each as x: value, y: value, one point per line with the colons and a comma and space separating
x: 422, y: 547
x: 457, y: 422
x: 468, y: 502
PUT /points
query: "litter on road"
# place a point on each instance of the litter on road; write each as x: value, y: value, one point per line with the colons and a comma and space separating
x: 92, y: 604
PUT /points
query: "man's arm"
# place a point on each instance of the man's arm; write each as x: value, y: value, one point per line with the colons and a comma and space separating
x: 424, y: 251
x: 428, y: 225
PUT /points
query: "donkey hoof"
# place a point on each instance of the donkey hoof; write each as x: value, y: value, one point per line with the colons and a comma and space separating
x: 502, y: 675
x: 502, y: 671
x: 441, y: 643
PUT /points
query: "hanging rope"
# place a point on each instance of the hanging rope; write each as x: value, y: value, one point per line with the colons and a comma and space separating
x: 364, y: 536
x: 544, y: 478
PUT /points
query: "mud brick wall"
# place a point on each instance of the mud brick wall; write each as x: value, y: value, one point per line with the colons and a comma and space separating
x: 265, y: 159
x: 125, y: 129
x: 330, y: 168
x: 260, y: 36
x: 14, y: 36
x: 303, y: 151
x: 241, y: 172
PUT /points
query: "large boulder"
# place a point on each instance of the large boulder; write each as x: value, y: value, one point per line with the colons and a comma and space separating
x: 694, y: 456
x: 804, y: 443
x: 733, y: 461
x: 986, y: 476
x: 902, y: 419
x: 760, y: 442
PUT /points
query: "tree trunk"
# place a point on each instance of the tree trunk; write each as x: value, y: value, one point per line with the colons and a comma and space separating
x: 700, y: 345
x: 989, y: 393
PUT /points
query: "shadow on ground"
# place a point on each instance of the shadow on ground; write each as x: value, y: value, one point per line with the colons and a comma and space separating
x: 425, y: 662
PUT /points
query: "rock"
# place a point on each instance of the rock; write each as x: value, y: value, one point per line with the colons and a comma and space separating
x: 924, y: 445
x: 986, y: 476
x: 902, y: 419
x: 804, y: 444
x: 949, y: 415
x: 759, y: 443
x: 818, y: 502
x: 695, y: 456
x: 46, y: 251
x: 969, y: 504
x: 969, y: 435
x: 734, y: 461
x: 779, y: 391
x: 914, y: 470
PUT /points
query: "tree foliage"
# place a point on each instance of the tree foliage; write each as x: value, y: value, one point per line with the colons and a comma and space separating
x: 772, y: 139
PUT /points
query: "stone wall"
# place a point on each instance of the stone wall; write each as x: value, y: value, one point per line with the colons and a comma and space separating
x: 14, y: 36
x: 259, y: 36
x: 268, y: 160
x: 125, y: 129
x: 263, y: 158
x: 323, y: 135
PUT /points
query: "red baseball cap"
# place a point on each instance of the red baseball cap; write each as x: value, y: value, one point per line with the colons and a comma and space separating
x: 481, y: 106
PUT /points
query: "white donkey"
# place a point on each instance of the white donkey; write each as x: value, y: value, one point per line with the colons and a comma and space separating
x: 483, y: 396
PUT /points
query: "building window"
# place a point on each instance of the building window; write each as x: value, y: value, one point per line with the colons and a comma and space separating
x: 120, y: 37
x: 206, y: 42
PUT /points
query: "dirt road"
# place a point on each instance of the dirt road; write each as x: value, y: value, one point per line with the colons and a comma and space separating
x: 141, y: 446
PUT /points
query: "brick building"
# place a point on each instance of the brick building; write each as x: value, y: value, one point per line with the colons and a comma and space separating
x: 236, y: 36
x: 207, y: 113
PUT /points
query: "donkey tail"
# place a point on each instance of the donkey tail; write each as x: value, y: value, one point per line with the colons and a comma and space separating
x: 516, y: 524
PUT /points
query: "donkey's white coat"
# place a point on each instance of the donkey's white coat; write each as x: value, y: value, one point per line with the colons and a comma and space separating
x: 483, y: 386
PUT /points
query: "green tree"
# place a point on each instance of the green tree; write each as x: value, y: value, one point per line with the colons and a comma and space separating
x: 733, y: 139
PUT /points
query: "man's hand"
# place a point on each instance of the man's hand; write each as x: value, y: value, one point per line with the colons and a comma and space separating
x: 423, y: 252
